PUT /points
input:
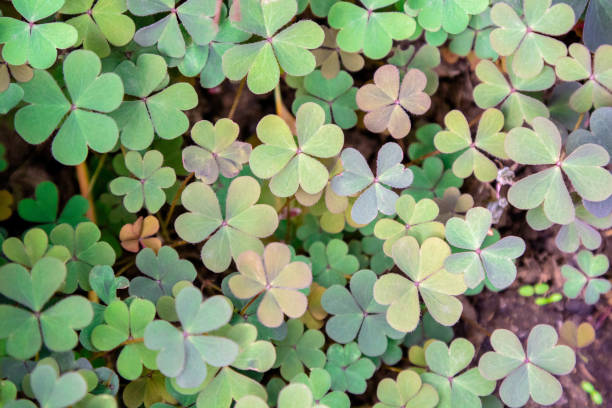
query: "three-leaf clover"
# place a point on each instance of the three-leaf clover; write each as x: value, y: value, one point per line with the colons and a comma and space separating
x: 35, y: 44
x: 92, y: 95
x: 446, y: 362
x: 196, y: 17
x: 35, y: 246
x: 299, y: 349
x: 163, y: 271
x: 153, y: 112
x: 452, y: 16
x: 348, y: 369
x: 374, y: 195
x: 495, y: 261
x: 407, y: 391
x: 431, y: 179
x: 230, y: 235
x: 369, y: 30
x: 140, y: 233
x: 125, y: 326
x: 387, y: 101
x: 331, y: 262
x: 147, y: 189
x: 25, y: 330
x: 583, y: 167
x: 277, y: 278
x: 587, y: 277
x: 52, y: 390
x: 527, y: 374
x: 217, y: 150
x: 185, y: 353
x: 319, y: 383
x: 357, y: 315
x: 289, y: 48
x: 425, y: 275
x: 290, y: 165
x: 489, y: 139
x: 529, y: 40
x: 476, y: 37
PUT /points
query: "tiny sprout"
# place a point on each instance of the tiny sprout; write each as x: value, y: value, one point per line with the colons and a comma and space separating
x: 553, y: 298
x: 541, y: 288
x: 526, y: 291
x: 593, y: 393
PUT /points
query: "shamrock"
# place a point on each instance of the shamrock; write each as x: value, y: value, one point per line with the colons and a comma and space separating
x: 476, y: 37
x: 153, y: 112
x: 424, y: 269
x: 103, y: 281
x: 86, y: 250
x: 260, y: 60
x: 140, y: 233
x: 597, y: 90
x: 387, y: 101
x: 196, y: 17
x: 217, y: 150
x: 407, y: 391
x: 35, y: 44
x: 583, y: 167
x: 35, y: 246
x: 123, y: 324
x: 517, y: 106
x: 591, y: 266
x: 227, y: 386
x: 357, y: 315
x: 25, y: 330
x: 299, y: 348
x: 52, y: 390
x: 245, y: 222
x: 369, y: 30
x: 495, y: 261
x: 445, y: 363
x: 163, y: 271
x: 417, y: 221
x: 184, y: 354
x: 328, y: 56
x: 349, y: 371
x: 100, y: 25
x: 148, y: 187
x: 319, y: 383
x: 278, y: 280
x: 289, y: 165
x: 425, y: 59
x: 489, y: 139
x: 335, y: 95
x: 452, y: 16
x: 374, y: 194
x: 92, y: 96
x: 332, y: 262
x: 527, y: 375
x: 431, y: 179
x: 21, y: 73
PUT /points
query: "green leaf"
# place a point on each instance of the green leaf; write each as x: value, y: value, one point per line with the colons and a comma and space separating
x: 452, y: 16
x: 425, y: 59
x: 406, y: 391
x: 35, y: 246
x: 299, y: 349
x: 319, y: 383
x: 587, y: 278
x: 332, y: 262
x: 227, y: 386
x: 103, y: 281
x: 349, y: 371
x: 53, y: 391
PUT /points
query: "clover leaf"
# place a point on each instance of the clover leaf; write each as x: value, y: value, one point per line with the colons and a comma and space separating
x: 599, y: 123
x: 25, y: 330
x: 425, y: 59
x: 21, y: 73
x: 367, y: 29
x: 329, y: 56
x: 54, y: 391
x: 591, y: 267
x: 489, y: 139
x: 153, y: 112
x: 239, y: 231
x: 299, y: 349
x: 406, y: 391
x: 148, y: 389
x: 163, y: 271
x: 424, y: 269
x: 332, y: 262
x: 495, y: 262
x: 335, y: 95
x: 196, y: 18
x: 516, y: 105
x: 227, y: 386
x: 528, y: 374
x: 35, y: 44
x: 579, y: 66
x: 184, y: 354
x: 374, y: 194
x: 35, y: 246
x: 387, y: 101
x: 103, y: 281
x: 288, y: 165
x: 452, y: 16
x: 431, y: 179
x: 583, y: 167
x: 349, y: 371
x: 140, y: 233
x: 148, y: 187
x: 259, y: 61
x: 529, y: 40
x: 319, y: 383
x: 92, y: 95
x: 446, y: 362
x: 122, y: 324
x: 100, y: 25
x: 254, y: 355
x: 357, y: 315
x: 295, y: 395
x: 217, y: 150
x: 86, y: 250
x: 475, y: 37
x: 417, y: 221
x: 277, y: 278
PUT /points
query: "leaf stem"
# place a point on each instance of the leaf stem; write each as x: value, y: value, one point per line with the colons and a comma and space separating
x: 175, y: 199
x: 132, y: 341
x: 83, y: 180
x: 230, y: 115
x: 420, y: 159
x: 96, y: 173
x: 125, y: 268
x: 244, y: 309
x: 577, y: 125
